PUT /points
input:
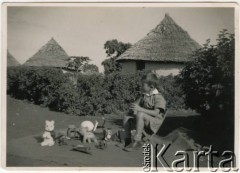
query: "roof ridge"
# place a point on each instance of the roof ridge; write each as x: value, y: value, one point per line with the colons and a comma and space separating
x: 52, y: 41
x: 166, y: 25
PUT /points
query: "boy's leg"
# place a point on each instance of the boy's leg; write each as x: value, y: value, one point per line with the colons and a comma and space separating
x: 127, y: 125
x: 142, y: 120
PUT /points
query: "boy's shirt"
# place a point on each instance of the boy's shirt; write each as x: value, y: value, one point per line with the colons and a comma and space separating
x: 152, y: 101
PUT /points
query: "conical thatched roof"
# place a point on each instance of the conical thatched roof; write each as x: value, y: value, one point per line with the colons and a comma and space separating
x: 167, y: 42
x: 11, y: 61
x: 51, y: 54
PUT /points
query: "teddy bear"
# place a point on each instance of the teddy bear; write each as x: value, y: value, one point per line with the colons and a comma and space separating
x: 48, y: 135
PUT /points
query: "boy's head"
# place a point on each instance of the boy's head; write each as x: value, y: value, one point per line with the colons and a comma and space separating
x: 149, y: 82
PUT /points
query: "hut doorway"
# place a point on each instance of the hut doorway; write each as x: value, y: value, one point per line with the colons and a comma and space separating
x: 140, y: 65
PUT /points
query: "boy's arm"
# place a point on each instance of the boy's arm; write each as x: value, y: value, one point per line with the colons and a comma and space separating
x: 137, y: 101
x: 160, y: 104
x: 154, y: 113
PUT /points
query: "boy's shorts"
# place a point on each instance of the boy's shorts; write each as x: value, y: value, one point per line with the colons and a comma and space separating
x: 153, y: 122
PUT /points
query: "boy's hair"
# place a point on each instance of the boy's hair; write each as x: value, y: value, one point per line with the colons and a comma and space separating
x: 151, y: 79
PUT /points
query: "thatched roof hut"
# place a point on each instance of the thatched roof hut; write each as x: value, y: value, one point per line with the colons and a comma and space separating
x: 167, y: 44
x: 11, y: 61
x: 51, y: 54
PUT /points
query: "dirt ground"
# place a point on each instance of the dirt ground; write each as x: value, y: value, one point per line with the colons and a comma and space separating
x: 25, y: 124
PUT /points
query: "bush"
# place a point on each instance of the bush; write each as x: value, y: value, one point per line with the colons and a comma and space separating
x: 114, y: 92
x: 100, y: 94
x: 172, y: 92
x: 64, y: 98
x: 208, y: 81
x: 91, y: 94
x: 124, y: 89
x: 40, y: 85
x: 94, y: 94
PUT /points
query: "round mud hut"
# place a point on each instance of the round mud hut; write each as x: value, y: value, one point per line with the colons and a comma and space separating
x: 165, y: 50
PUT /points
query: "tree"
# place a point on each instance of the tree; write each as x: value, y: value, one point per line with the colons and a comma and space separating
x: 76, y: 63
x: 208, y: 81
x: 114, y: 49
x: 90, y: 68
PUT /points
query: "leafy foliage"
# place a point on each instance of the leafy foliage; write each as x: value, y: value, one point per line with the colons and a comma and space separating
x: 111, y: 65
x: 208, y: 81
x: 114, y: 49
x: 90, y: 68
x: 94, y: 93
x: 172, y: 92
x: 36, y: 84
x: 77, y: 62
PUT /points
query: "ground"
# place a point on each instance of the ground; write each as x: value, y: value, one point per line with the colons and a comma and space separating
x: 25, y: 125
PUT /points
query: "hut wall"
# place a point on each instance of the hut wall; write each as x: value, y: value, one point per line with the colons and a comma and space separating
x: 164, y: 69
x: 129, y: 67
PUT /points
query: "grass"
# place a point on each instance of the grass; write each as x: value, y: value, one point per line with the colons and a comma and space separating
x: 25, y: 121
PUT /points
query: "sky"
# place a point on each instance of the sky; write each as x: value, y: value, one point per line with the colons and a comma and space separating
x: 82, y: 31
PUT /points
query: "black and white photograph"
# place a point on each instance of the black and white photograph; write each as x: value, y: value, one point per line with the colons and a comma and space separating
x: 120, y: 86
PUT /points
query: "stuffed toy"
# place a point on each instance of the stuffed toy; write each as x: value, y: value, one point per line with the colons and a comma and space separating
x: 89, y: 125
x: 107, y: 134
x: 49, y: 134
x: 119, y: 136
x: 88, y: 136
x: 72, y: 131
x: 102, y: 145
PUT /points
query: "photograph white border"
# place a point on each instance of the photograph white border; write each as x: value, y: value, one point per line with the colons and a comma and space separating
x: 109, y: 4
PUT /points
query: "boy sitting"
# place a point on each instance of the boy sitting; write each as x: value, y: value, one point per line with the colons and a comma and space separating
x: 148, y: 110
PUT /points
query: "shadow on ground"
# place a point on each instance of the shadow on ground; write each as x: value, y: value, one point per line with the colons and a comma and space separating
x: 38, y: 138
